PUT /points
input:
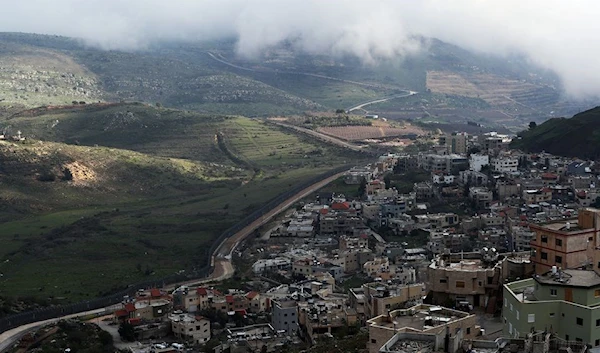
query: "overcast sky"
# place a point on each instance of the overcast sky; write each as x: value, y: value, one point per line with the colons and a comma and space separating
x: 559, y: 35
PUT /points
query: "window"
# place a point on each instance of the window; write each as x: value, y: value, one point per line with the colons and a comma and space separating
x: 566, y: 337
x: 544, y: 238
x: 460, y: 284
x: 579, y: 321
x: 510, y: 306
x: 597, y: 293
x: 468, y: 330
x: 197, y: 327
x: 597, y: 343
x: 558, y: 259
x: 443, y: 280
x: 285, y: 314
x: 551, y: 314
x: 505, y: 302
x: 517, y: 314
x: 597, y: 322
x: 530, y: 318
x: 480, y: 283
x: 293, y: 314
x: 544, y: 255
x: 373, y: 340
x: 285, y: 322
x: 553, y: 292
x: 558, y: 242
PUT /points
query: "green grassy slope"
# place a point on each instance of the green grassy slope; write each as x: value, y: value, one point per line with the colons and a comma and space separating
x: 151, y: 188
x: 578, y: 136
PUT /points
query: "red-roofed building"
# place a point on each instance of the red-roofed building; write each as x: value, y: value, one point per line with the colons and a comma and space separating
x: 155, y: 293
x: 340, y: 206
x: 130, y: 307
x: 202, y: 291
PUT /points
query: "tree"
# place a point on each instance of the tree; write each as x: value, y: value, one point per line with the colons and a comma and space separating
x: 127, y: 332
x: 340, y: 111
x: 67, y: 175
x: 362, y: 188
x: 532, y: 125
x: 388, y: 181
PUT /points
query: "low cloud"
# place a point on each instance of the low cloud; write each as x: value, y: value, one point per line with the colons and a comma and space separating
x: 554, y: 34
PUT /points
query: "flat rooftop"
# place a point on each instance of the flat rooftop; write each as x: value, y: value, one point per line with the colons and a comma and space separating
x: 424, y: 318
x: 412, y: 346
x: 566, y: 226
x: 577, y: 278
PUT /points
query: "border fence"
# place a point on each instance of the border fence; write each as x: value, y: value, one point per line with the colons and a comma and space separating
x: 27, y: 317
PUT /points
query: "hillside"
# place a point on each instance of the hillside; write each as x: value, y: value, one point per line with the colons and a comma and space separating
x: 455, y: 86
x: 140, y: 190
x: 578, y: 136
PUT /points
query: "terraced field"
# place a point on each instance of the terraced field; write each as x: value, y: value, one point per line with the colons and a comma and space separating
x: 495, y: 90
x: 356, y: 133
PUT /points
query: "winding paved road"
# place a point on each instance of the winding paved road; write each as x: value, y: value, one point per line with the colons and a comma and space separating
x: 360, y: 106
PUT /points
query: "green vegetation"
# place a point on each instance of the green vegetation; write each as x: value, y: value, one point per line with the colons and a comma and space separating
x: 78, y: 336
x: 144, y: 205
x: 578, y: 136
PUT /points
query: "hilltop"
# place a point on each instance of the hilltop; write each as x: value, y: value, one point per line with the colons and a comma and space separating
x: 578, y: 136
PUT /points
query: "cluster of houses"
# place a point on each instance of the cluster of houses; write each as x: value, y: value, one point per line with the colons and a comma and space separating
x: 525, y: 247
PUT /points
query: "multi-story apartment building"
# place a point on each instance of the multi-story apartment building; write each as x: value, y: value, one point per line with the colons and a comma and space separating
x: 455, y: 142
x: 481, y: 195
x: 188, y: 327
x: 285, y: 316
x: 443, y: 162
x: 564, y: 302
x: 380, y: 298
x: 566, y: 243
x: 506, y: 164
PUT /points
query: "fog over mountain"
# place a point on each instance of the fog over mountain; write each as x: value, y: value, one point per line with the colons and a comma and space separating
x: 557, y: 35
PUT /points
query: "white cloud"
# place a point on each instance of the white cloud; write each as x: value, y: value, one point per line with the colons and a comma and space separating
x: 555, y: 34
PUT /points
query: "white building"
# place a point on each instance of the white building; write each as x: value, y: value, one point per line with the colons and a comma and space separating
x: 477, y: 161
x: 277, y: 263
x: 443, y: 178
x: 506, y: 164
x: 188, y: 327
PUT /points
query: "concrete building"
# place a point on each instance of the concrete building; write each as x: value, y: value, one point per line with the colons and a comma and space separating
x: 437, y: 220
x: 506, y: 164
x: 278, y: 263
x: 473, y: 178
x: 563, y: 302
x: 422, y: 318
x: 325, y: 317
x: 442, y: 178
x: 471, y: 280
x: 449, y: 163
x: 285, y: 316
x: 380, y: 298
x: 566, y: 243
x: 507, y: 188
x: 481, y: 195
x: 455, y: 142
x: 189, y: 327
x: 478, y: 161
x: 537, y: 195
x: 347, y: 242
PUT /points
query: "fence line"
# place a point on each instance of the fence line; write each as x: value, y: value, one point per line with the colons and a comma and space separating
x: 16, y: 320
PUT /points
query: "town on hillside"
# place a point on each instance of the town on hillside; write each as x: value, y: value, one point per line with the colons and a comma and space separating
x: 467, y: 247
